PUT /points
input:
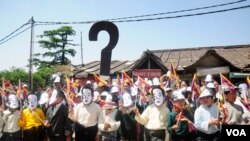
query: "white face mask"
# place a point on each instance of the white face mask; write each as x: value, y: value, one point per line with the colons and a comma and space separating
x: 32, y: 101
x: 12, y: 102
x: 127, y: 100
x: 158, y: 97
x: 86, y: 96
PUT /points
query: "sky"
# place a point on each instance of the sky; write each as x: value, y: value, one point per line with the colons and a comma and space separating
x: 228, y: 28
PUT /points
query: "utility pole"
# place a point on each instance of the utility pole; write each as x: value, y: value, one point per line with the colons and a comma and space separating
x: 31, y: 54
x: 81, y: 50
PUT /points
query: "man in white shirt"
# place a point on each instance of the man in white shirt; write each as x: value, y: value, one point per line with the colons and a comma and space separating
x: 11, y: 118
x: 206, y: 118
x: 235, y: 112
x: 106, y: 121
x: 154, y: 118
x: 85, y: 116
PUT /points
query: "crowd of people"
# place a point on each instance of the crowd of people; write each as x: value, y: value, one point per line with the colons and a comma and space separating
x: 144, y: 110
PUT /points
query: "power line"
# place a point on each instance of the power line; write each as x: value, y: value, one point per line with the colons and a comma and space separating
x: 149, y: 19
x: 15, y: 31
x: 179, y: 11
x: 182, y: 16
x: 131, y: 20
x: 140, y: 16
x: 15, y: 35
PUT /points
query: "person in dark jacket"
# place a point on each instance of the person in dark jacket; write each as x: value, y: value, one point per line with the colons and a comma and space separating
x: 57, y: 123
x: 127, y: 130
x: 180, y: 126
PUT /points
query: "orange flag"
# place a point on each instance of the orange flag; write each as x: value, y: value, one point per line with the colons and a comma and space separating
x: 225, y: 81
x: 248, y: 81
x: 19, y: 89
x: 119, y: 83
x: 195, y: 88
x: 125, y: 77
x: 143, y: 84
x: 99, y: 80
x: 173, y: 75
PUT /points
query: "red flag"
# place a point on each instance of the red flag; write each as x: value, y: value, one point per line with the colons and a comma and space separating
x: 119, y: 83
x: 181, y: 117
x: 71, y: 91
x: 103, y: 102
x: 144, y: 87
x: 99, y: 80
x: 222, y: 109
x: 25, y: 91
x: 195, y: 88
x: 73, y: 86
x: 225, y: 81
x: 125, y: 77
x: 172, y: 70
x: 19, y: 89
x: 143, y: 84
x: 248, y: 81
x: 7, y: 85
x: 173, y: 75
x: 143, y: 98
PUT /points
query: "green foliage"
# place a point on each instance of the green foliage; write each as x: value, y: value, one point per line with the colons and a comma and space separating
x: 57, y: 47
x: 14, y: 75
x: 43, y: 77
x: 40, y: 78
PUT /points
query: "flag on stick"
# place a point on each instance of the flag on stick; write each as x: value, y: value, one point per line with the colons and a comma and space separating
x: 173, y: 75
x: 195, y: 88
x: 225, y: 81
x: 99, y: 80
x: 248, y: 81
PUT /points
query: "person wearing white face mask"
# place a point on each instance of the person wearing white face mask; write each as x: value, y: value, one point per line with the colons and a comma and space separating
x: 32, y: 121
x: 127, y: 130
x: 57, y: 124
x: 11, y: 118
x: 106, y: 121
x: 85, y: 116
x: 154, y: 118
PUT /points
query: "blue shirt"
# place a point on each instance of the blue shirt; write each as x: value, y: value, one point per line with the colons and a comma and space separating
x: 203, y: 115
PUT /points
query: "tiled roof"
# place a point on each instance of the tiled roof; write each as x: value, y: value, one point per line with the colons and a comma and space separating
x: 94, y: 67
x: 237, y: 55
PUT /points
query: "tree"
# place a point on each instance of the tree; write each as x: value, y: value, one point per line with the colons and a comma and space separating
x: 14, y: 75
x: 42, y: 77
x: 58, y: 47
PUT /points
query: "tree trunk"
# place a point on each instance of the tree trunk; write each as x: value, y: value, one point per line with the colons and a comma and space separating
x: 64, y: 39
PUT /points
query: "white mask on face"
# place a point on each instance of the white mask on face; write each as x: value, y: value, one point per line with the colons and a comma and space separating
x: 32, y: 101
x: 12, y: 101
x: 158, y: 97
x: 87, y: 97
x: 127, y: 100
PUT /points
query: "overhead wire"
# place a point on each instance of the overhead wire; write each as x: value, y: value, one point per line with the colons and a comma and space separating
x: 179, y: 11
x: 187, y: 15
x: 147, y: 15
x: 134, y: 18
x: 15, y: 31
x: 15, y: 35
x: 150, y: 19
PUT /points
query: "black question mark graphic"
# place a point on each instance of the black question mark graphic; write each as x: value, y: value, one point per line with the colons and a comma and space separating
x: 106, y: 54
